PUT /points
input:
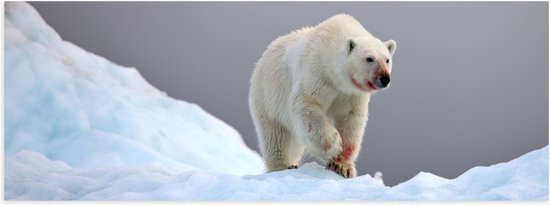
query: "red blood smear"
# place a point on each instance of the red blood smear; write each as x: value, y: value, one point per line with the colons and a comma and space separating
x: 346, y: 154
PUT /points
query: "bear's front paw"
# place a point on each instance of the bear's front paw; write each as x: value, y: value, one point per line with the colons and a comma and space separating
x: 347, y: 170
x: 332, y: 145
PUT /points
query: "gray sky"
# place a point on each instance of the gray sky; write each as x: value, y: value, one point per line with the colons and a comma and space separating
x: 469, y: 80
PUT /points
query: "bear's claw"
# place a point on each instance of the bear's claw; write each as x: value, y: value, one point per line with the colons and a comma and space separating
x: 293, y: 167
x: 345, y: 170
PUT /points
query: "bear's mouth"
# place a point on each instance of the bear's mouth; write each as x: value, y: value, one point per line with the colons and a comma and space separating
x: 368, y: 85
x: 371, y: 85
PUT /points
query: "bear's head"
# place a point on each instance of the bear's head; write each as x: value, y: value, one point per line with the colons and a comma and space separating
x: 367, y: 65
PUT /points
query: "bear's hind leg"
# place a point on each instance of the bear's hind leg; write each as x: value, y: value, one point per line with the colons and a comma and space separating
x: 279, y: 149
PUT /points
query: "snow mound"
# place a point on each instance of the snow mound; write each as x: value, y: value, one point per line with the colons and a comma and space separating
x: 72, y: 105
x: 29, y: 175
x: 79, y: 127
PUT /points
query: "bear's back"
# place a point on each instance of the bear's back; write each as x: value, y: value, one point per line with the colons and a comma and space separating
x: 342, y: 25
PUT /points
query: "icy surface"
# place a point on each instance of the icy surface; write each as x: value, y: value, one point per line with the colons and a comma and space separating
x: 79, y: 127
x: 29, y: 175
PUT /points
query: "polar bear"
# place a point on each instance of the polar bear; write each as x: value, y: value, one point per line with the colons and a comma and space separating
x: 310, y: 90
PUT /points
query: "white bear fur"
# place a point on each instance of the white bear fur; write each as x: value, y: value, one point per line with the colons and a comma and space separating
x: 303, y: 96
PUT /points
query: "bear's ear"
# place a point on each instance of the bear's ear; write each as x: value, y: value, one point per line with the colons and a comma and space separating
x: 391, y: 45
x: 351, y: 45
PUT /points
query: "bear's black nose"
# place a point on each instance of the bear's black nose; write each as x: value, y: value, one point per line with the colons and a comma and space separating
x: 383, y: 81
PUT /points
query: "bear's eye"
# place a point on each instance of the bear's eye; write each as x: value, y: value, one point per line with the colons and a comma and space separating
x: 387, y: 60
x: 370, y: 60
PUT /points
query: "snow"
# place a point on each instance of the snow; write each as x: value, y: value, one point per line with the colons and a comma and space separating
x: 72, y: 105
x: 79, y: 127
x: 29, y: 175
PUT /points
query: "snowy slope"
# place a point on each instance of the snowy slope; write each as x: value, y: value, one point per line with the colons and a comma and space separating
x: 72, y: 105
x: 80, y: 127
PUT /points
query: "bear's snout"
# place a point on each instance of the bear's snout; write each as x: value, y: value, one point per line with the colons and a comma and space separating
x: 382, y: 81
